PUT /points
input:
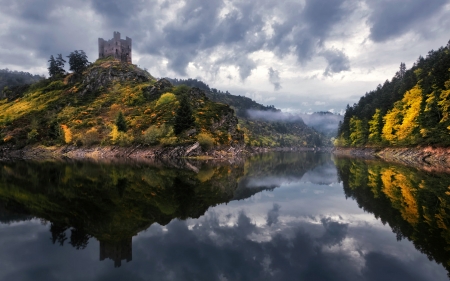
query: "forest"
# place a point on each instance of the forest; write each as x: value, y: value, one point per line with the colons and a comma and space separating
x: 412, y: 109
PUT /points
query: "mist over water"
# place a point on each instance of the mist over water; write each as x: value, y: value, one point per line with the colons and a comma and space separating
x: 326, y: 123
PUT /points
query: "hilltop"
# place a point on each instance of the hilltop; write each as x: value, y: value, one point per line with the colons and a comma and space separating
x: 118, y: 104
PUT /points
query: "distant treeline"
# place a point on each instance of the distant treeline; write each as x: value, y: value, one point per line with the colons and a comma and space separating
x: 241, y: 104
x: 11, y: 79
x: 411, y: 109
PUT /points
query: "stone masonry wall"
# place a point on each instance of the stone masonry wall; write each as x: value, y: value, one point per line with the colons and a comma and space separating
x: 118, y: 48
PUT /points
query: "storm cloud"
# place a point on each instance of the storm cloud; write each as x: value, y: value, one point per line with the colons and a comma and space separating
x: 274, y: 78
x: 234, y: 43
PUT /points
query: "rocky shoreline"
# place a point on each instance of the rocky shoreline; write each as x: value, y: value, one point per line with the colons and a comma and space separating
x: 137, y: 153
x: 425, y: 158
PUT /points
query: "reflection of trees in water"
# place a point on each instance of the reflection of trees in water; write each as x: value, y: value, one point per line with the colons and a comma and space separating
x: 415, y: 204
x: 110, y: 202
x: 114, y: 202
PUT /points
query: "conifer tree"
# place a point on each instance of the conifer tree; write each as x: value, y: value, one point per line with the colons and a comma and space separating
x: 121, y: 123
x: 52, y: 68
x: 183, y: 118
x: 60, y: 64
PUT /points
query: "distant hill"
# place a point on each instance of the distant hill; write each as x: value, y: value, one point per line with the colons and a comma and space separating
x: 240, y: 104
x: 13, y: 79
x: 411, y: 109
x: 267, y: 125
x: 324, y: 122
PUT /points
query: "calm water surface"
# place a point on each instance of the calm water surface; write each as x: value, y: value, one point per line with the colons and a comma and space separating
x: 280, y: 216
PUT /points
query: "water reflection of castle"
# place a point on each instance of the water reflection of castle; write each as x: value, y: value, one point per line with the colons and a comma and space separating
x: 117, y: 251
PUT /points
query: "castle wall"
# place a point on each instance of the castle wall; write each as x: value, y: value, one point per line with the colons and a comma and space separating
x: 118, y: 48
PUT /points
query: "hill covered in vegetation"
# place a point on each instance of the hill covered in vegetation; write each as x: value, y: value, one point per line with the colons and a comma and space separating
x: 114, y: 103
x: 409, y: 110
x: 13, y: 81
x: 280, y: 131
x: 118, y: 104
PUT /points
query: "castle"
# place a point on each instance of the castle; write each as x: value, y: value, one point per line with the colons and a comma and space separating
x: 118, y: 48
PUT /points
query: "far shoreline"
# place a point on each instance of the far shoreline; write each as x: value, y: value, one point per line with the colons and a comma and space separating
x: 139, y: 152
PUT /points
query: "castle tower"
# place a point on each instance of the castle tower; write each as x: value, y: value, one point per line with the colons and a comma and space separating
x: 118, y: 48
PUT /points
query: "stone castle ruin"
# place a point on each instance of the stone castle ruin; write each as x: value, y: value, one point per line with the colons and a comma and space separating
x: 118, y: 48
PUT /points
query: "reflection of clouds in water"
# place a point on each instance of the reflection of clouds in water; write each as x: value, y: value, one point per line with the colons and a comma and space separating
x: 322, y: 249
x: 270, y: 181
x: 272, y: 215
x: 325, y: 174
x: 226, y: 246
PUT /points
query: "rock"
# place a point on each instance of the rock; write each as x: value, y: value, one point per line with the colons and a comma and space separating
x: 102, y: 76
x: 190, y: 132
x: 160, y: 87
x: 191, y: 148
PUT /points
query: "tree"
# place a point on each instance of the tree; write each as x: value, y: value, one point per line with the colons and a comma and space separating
x: 78, y: 61
x: 183, y: 118
x: 53, y: 68
x: 60, y: 64
x: 375, y: 127
x: 121, y: 123
x: 402, y: 71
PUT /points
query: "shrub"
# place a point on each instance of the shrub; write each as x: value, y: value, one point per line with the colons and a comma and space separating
x: 67, y: 134
x: 205, y: 140
x: 120, y: 138
x: 168, y: 141
x: 153, y: 134
x: 32, y: 135
x: 55, y: 85
x: 91, y: 137
x: 166, y: 98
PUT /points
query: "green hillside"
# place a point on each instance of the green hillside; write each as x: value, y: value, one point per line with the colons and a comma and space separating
x: 410, y: 110
x: 258, y: 132
x: 114, y: 103
x: 12, y: 82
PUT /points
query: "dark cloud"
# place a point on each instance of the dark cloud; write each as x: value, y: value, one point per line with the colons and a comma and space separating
x: 392, y: 268
x: 337, y: 60
x: 335, y: 232
x: 390, y: 18
x: 274, y: 79
x: 197, y: 30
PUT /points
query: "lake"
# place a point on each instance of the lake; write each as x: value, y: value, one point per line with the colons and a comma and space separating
x: 274, y: 216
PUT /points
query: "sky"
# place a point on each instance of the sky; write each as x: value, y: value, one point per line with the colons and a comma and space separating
x: 300, y: 56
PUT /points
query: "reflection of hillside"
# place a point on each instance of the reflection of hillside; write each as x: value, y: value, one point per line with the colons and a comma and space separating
x: 110, y: 202
x: 113, y: 202
x: 415, y: 204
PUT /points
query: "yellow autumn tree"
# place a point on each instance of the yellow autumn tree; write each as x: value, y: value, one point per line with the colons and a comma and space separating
x: 444, y: 105
x: 401, y: 191
x: 375, y: 126
x: 67, y: 134
x: 411, y: 109
x: 392, y: 121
